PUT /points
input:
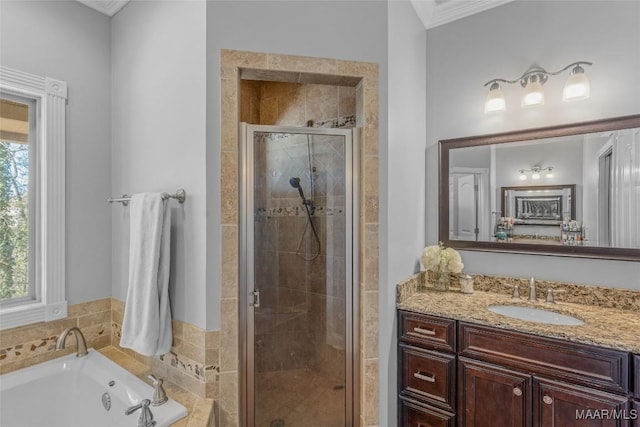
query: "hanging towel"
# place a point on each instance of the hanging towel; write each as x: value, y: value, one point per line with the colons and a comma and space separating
x: 146, y: 327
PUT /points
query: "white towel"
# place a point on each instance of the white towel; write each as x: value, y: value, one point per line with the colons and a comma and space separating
x: 146, y: 327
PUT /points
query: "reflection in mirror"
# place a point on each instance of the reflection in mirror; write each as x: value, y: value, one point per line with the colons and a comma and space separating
x: 579, y: 189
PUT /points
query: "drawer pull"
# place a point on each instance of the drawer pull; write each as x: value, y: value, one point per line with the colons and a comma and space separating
x: 548, y: 400
x: 423, y: 331
x: 429, y: 378
x: 517, y: 391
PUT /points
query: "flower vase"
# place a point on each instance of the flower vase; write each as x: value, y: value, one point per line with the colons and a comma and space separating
x: 440, y: 281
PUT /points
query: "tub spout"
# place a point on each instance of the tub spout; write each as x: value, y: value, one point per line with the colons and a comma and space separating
x: 80, y: 342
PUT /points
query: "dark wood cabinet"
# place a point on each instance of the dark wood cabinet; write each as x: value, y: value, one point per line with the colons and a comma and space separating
x: 485, y: 376
x: 427, y: 370
x: 490, y: 396
x: 415, y: 414
x: 558, y: 404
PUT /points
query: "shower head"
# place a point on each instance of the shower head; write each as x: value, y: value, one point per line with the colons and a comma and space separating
x: 295, y: 183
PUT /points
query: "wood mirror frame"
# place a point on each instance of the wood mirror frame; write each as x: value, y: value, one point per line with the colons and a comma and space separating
x: 628, y: 254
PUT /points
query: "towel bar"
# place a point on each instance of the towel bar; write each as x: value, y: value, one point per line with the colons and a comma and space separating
x: 180, y: 195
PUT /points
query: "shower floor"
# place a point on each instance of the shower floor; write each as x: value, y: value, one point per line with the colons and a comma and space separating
x: 299, y: 398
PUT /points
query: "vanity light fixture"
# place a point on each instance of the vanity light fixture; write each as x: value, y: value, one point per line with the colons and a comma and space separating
x: 535, y: 172
x: 576, y: 88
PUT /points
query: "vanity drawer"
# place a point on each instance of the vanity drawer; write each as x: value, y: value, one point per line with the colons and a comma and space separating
x: 600, y: 368
x: 426, y: 331
x: 413, y: 414
x: 428, y: 375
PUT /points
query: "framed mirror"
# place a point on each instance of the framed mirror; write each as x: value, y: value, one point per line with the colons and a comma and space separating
x: 571, y: 190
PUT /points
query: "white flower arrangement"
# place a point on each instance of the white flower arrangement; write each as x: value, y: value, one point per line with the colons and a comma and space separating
x: 440, y: 259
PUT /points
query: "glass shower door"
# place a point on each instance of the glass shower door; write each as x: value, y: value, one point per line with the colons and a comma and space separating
x: 299, y: 276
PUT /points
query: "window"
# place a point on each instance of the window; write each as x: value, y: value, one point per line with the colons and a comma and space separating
x: 32, y: 198
x: 17, y: 131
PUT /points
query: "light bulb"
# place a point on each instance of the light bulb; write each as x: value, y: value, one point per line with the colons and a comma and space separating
x: 523, y: 177
x: 536, y: 173
x: 577, y: 86
x: 549, y: 173
x: 495, y: 99
x: 533, y: 93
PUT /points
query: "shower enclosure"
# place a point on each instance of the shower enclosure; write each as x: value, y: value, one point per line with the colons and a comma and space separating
x: 298, y: 270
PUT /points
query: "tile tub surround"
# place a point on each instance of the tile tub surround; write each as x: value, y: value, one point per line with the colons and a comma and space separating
x: 200, y: 410
x: 604, y: 326
x: 31, y: 344
x: 192, y: 363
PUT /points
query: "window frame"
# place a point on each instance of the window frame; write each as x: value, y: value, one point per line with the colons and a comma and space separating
x: 48, y: 256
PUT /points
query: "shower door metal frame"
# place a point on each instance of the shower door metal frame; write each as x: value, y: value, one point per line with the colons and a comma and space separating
x: 246, y: 275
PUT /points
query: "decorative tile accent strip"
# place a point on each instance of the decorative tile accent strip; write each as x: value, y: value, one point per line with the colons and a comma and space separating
x: 340, y: 122
x: 31, y: 344
x: 193, y: 362
x: 298, y: 210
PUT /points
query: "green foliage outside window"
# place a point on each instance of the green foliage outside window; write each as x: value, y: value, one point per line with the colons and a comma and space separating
x: 14, y: 222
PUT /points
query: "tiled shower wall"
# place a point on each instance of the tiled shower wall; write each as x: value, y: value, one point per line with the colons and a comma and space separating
x: 301, y: 321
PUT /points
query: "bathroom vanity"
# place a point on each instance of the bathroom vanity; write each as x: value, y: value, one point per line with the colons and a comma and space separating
x: 465, y: 366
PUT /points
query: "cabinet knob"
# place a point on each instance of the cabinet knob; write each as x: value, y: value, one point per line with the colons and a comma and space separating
x: 547, y: 399
x: 517, y: 391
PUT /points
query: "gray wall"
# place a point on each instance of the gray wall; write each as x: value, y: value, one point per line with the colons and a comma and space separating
x: 158, y: 144
x: 70, y: 42
x: 463, y: 55
x: 349, y: 30
x: 404, y: 189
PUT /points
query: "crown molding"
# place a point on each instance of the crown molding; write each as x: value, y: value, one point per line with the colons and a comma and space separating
x: 434, y: 13
x: 108, y: 7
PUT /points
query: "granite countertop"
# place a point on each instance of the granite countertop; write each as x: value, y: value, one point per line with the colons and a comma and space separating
x: 603, y: 326
x: 200, y: 410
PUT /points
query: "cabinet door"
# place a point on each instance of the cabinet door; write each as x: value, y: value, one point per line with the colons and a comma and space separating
x: 491, y: 396
x: 558, y: 404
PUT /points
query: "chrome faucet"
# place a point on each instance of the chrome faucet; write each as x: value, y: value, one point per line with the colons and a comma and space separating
x: 532, y: 289
x: 159, y: 395
x: 80, y: 342
x: 146, y: 417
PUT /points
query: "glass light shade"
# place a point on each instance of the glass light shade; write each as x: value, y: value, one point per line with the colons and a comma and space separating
x: 535, y: 174
x: 533, y: 94
x: 577, y: 86
x: 550, y: 173
x: 523, y: 177
x: 495, y: 100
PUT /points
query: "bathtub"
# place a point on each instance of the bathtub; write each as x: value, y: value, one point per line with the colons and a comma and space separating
x: 69, y: 392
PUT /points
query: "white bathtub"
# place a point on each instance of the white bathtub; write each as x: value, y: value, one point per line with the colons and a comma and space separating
x: 68, y: 392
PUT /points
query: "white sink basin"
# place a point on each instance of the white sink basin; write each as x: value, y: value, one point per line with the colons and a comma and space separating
x: 535, y: 315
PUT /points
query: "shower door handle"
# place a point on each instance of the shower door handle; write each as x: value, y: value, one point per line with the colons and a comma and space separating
x: 255, y: 301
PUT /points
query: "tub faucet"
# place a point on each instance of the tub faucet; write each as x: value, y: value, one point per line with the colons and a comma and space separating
x: 532, y: 289
x: 146, y: 417
x: 159, y: 395
x: 80, y: 342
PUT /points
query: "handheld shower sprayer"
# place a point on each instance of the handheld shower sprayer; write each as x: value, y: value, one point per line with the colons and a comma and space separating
x: 295, y: 183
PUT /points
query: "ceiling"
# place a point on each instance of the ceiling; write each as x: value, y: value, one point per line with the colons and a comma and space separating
x: 108, y: 7
x: 432, y: 13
